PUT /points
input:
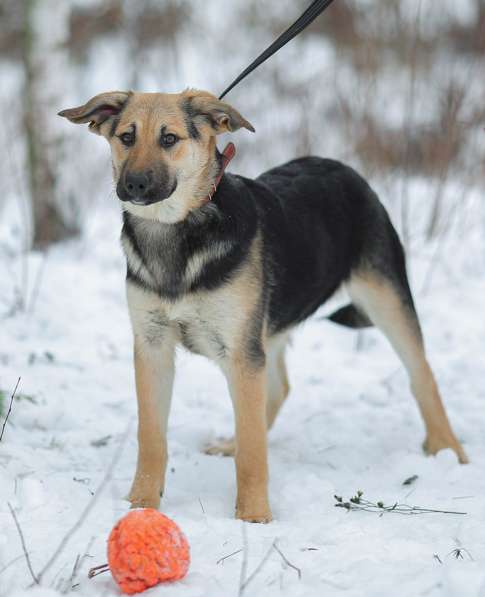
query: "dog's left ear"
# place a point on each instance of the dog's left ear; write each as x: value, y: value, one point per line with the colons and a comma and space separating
x: 97, y: 110
x: 221, y: 116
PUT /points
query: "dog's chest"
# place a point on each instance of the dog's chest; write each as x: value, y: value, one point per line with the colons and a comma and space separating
x: 206, y: 322
x: 167, y: 263
x: 200, y: 325
x: 155, y: 259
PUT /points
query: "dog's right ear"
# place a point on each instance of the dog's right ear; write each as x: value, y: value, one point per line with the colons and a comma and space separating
x: 222, y: 117
x: 98, y: 109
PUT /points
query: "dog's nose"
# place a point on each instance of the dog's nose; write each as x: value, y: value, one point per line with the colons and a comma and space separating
x: 137, y: 184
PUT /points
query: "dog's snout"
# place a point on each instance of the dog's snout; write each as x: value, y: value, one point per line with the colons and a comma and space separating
x: 138, y: 184
x: 144, y: 187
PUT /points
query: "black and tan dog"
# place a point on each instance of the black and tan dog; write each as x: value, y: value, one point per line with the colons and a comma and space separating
x: 231, y: 277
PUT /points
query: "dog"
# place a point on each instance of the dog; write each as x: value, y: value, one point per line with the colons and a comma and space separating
x: 229, y: 266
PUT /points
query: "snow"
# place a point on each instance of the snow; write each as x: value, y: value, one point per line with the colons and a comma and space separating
x: 350, y: 424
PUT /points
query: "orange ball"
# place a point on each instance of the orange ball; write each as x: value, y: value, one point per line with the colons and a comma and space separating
x: 146, y: 548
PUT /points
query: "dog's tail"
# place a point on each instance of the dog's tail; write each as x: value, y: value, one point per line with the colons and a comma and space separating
x: 351, y: 317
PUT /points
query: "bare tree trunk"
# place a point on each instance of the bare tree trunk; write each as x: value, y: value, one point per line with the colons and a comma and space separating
x: 42, y: 43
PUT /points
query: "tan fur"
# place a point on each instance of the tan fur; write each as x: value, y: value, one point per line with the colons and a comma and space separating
x: 278, y: 389
x: 386, y: 310
x: 154, y: 373
x: 226, y: 312
x: 152, y: 444
x: 226, y: 118
x: 248, y: 392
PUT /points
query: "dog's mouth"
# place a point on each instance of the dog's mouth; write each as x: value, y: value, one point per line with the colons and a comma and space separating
x: 143, y: 201
x: 149, y: 199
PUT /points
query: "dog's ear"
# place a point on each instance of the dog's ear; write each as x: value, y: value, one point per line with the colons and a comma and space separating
x: 97, y: 110
x: 221, y: 116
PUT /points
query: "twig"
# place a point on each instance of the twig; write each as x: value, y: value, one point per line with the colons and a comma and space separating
x: 75, y: 568
x: 22, y: 540
x: 84, y: 514
x: 410, y: 116
x: 286, y: 561
x: 9, y: 408
x: 84, y: 557
x: 69, y: 583
x: 66, y: 585
x: 258, y: 569
x: 358, y: 503
x: 98, y: 570
x: 410, y: 480
x: 228, y: 556
x: 458, y: 553
x: 244, y: 565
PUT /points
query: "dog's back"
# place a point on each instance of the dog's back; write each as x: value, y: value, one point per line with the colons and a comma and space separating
x: 320, y: 221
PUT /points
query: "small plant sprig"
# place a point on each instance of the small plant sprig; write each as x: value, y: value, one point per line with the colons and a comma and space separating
x: 357, y: 502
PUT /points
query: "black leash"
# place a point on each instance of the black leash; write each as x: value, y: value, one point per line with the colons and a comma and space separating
x: 310, y: 14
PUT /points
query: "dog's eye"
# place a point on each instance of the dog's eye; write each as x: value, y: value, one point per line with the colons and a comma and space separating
x: 168, y: 140
x: 127, y: 139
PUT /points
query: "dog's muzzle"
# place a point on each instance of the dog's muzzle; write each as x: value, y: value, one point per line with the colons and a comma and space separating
x: 140, y: 188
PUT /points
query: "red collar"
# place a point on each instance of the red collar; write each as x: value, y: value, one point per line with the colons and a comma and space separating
x: 227, y: 155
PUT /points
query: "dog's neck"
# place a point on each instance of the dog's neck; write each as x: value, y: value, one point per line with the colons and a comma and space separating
x: 173, y: 259
x: 223, y: 160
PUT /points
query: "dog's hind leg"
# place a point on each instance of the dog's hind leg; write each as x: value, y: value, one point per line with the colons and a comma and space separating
x: 384, y: 296
x: 277, y: 392
x: 278, y: 386
x: 221, y: 447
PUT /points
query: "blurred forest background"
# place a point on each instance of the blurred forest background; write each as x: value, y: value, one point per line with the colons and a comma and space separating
x: 394, y: 87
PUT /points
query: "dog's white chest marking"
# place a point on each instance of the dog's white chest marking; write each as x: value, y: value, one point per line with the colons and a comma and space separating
x: 205, y: 322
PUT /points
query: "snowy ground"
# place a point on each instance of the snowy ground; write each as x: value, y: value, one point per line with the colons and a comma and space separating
x: 350, y: 424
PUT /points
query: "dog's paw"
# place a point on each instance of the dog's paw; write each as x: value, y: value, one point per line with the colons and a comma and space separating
x: 145, y: 502
x: 221, y: 447
x: 253, y: 507
x: 434, y: 443
x: 145, y: 493
x: 258, y: 516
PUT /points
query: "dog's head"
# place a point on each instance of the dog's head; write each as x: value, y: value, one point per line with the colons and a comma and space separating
x: 162, y: 146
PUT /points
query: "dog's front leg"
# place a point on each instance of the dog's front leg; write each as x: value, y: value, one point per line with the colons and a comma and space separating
x: 154, y: 372
x: 248, y: 391
x: 154, y: 355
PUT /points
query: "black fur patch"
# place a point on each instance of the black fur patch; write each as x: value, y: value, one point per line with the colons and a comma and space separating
x: 114, y: 125
x: 186, y: 338
x: 351, y: 317
x: 117, y: 118
x: 190, y: 114
x: 254, y: 343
